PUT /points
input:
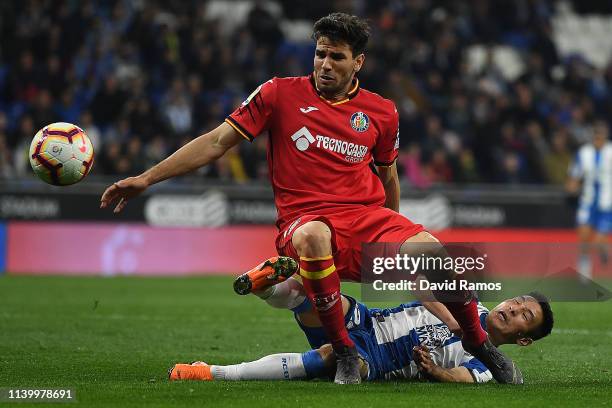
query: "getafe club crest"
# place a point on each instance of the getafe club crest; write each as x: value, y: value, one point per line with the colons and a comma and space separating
x: 360, y: 121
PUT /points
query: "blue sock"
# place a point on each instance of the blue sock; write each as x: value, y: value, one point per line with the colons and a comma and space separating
x: 303, y: 307
x: 314, y: 365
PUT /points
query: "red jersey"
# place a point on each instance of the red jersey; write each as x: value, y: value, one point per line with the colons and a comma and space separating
x: 319, y: 152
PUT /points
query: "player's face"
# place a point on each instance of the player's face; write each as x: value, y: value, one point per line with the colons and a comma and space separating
x: 335, y: 67
x: 509, y: 321
x: 600, y: 135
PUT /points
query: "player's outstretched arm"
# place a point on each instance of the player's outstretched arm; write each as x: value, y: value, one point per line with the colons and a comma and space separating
x: 195, y: 154
x: 434, y: 372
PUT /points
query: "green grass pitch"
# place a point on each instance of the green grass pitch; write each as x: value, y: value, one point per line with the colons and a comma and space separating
x: 112, y: 339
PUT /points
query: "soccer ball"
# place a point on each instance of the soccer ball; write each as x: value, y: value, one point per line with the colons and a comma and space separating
x: 61, y: 154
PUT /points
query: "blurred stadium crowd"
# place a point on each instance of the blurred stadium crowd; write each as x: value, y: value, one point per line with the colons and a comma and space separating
x: 143, y: 76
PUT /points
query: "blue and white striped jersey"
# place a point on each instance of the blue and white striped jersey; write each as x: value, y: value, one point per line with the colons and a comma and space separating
x: 594, y: 167
x: 385, y: 338
x: 395, y: 331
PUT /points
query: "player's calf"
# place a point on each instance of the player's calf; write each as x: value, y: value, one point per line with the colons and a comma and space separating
x: 460, y: 303
x: 462, y: 306
x: 322, y: 284
x: 281, y: 366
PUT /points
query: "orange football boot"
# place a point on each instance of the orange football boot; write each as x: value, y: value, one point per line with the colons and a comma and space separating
x: 196, y: 371
x: 275, y: 270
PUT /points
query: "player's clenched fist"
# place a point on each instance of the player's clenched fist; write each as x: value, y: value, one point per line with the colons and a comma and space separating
x: 122, y: 191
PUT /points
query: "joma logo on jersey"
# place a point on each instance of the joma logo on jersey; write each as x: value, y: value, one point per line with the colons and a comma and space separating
x: 353, y: 153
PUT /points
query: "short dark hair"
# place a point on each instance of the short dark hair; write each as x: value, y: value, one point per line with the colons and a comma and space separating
x: 545, y: 328
x: 598, y: 123
x: 342, y: 27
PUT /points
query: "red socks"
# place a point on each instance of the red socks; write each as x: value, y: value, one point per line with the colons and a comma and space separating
x: 469, y: 321
x: 322, y: 285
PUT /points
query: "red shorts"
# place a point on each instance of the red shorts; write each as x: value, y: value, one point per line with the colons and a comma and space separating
x: 350, y: 229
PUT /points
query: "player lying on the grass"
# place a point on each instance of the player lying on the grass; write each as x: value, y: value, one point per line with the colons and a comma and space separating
x: 407, y: 341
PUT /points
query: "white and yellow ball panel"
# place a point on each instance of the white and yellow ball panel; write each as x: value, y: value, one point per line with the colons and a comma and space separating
x: 56, y: 154
x: 56, y: 147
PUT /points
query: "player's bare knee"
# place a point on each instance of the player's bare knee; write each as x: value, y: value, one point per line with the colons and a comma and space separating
x: 422, y: 243
x: 425, y: 244
x: 312, y: 239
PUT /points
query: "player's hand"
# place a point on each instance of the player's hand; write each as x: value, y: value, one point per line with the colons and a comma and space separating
x: 423, y: 359
x: 122, y: 191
